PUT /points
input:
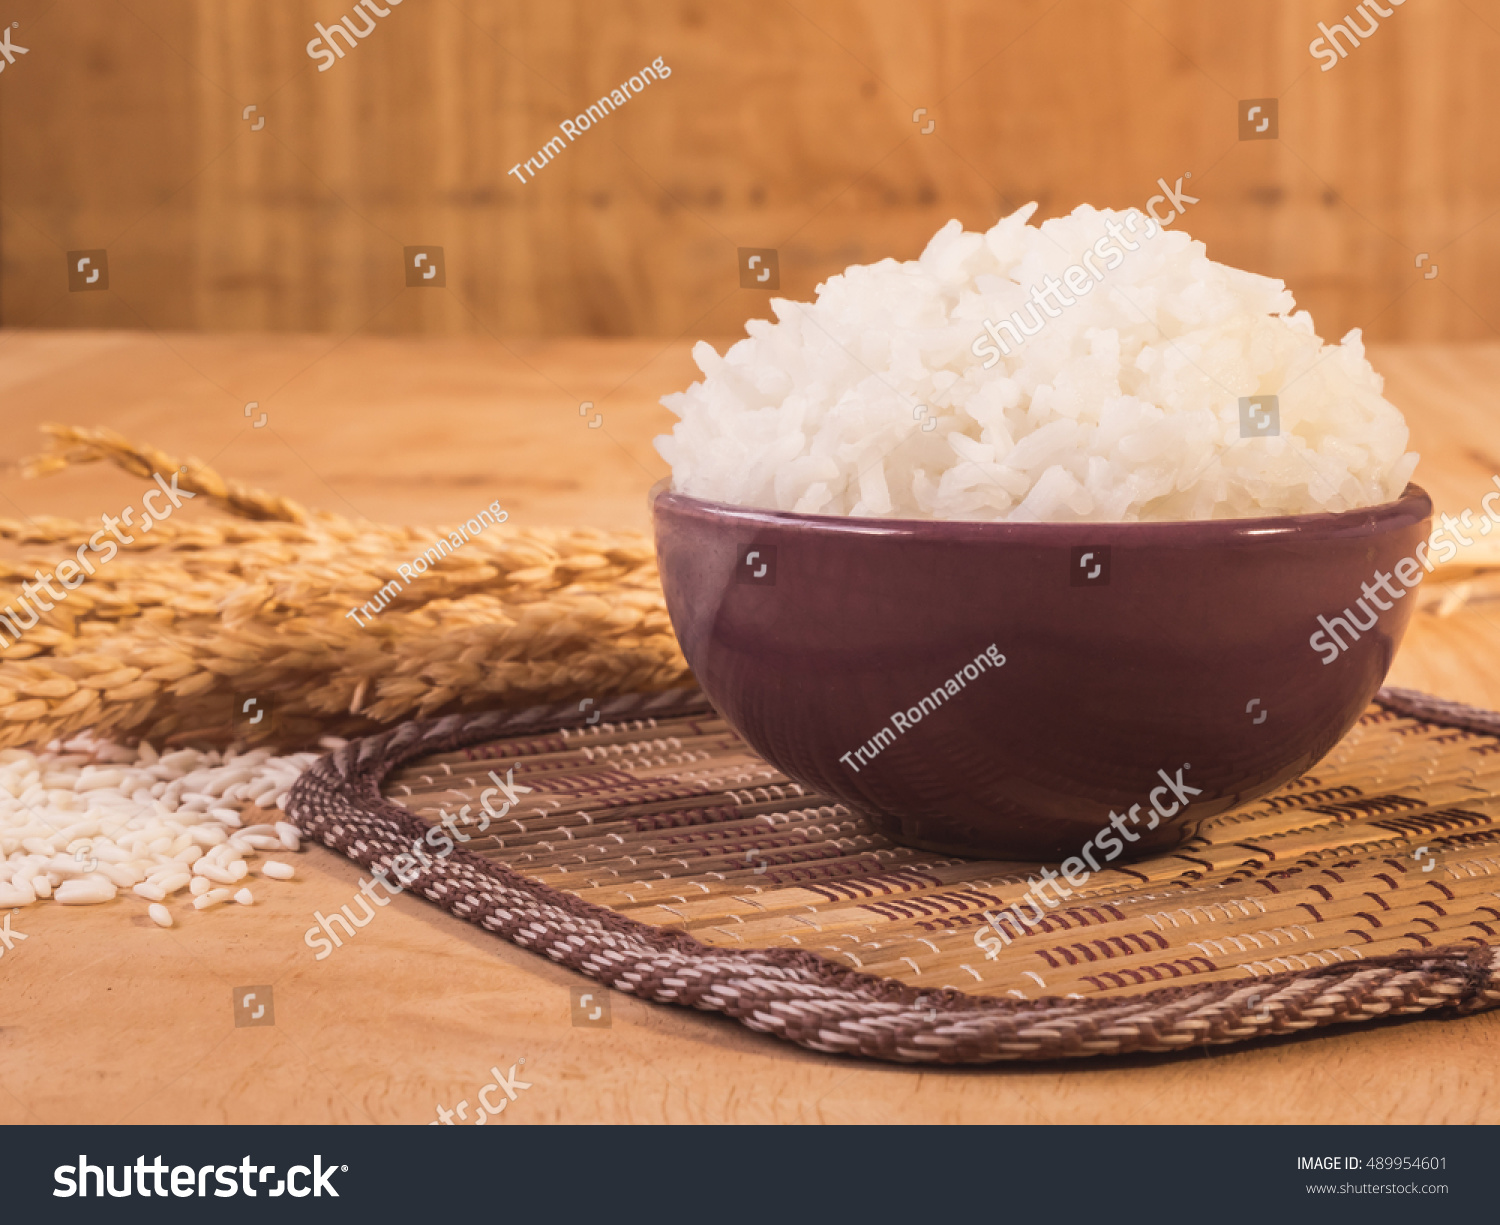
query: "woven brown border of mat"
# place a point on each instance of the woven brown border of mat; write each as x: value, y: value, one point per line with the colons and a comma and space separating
x: 819, y: 1004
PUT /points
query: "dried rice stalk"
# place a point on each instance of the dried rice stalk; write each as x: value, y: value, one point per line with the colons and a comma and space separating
x: 202, y: 612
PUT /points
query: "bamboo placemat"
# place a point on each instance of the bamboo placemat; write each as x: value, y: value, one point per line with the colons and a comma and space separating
x: 657, y: 853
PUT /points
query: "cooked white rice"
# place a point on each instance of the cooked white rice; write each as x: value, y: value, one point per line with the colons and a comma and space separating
x: 1124, y: 406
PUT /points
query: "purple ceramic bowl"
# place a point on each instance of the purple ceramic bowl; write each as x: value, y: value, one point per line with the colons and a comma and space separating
x: 1166, y: 666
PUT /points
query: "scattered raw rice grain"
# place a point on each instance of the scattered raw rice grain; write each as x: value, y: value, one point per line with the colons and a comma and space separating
x: 277, y: 870
x: 244, y: 897
x: 160, y: 915
x: 122, y: 875
x: 212, y: 898
x: 200, y: 885
x: 213, y: 872
x: 152, y: 893
x: 85, y: 891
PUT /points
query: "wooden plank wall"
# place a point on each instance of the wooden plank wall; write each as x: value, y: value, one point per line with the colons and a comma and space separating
x: 785, y: 125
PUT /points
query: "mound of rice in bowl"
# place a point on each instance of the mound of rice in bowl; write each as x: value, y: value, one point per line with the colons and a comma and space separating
x: 1090, y: 368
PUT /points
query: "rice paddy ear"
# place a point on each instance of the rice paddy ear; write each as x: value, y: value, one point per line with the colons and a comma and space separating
x: 188, y: 614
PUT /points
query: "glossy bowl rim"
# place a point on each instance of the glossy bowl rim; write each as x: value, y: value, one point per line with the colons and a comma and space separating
x: 1412, y: 506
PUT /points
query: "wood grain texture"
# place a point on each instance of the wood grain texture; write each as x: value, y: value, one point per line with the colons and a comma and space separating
x: 785, y: 125
x: 104, y: 1018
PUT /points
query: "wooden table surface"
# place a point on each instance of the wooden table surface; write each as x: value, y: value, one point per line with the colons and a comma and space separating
x: 106, y: 1018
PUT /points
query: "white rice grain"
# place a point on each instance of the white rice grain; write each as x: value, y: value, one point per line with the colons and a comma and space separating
x: 85, y: 891
x: 88, y: 820
x: 1122, y: 404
